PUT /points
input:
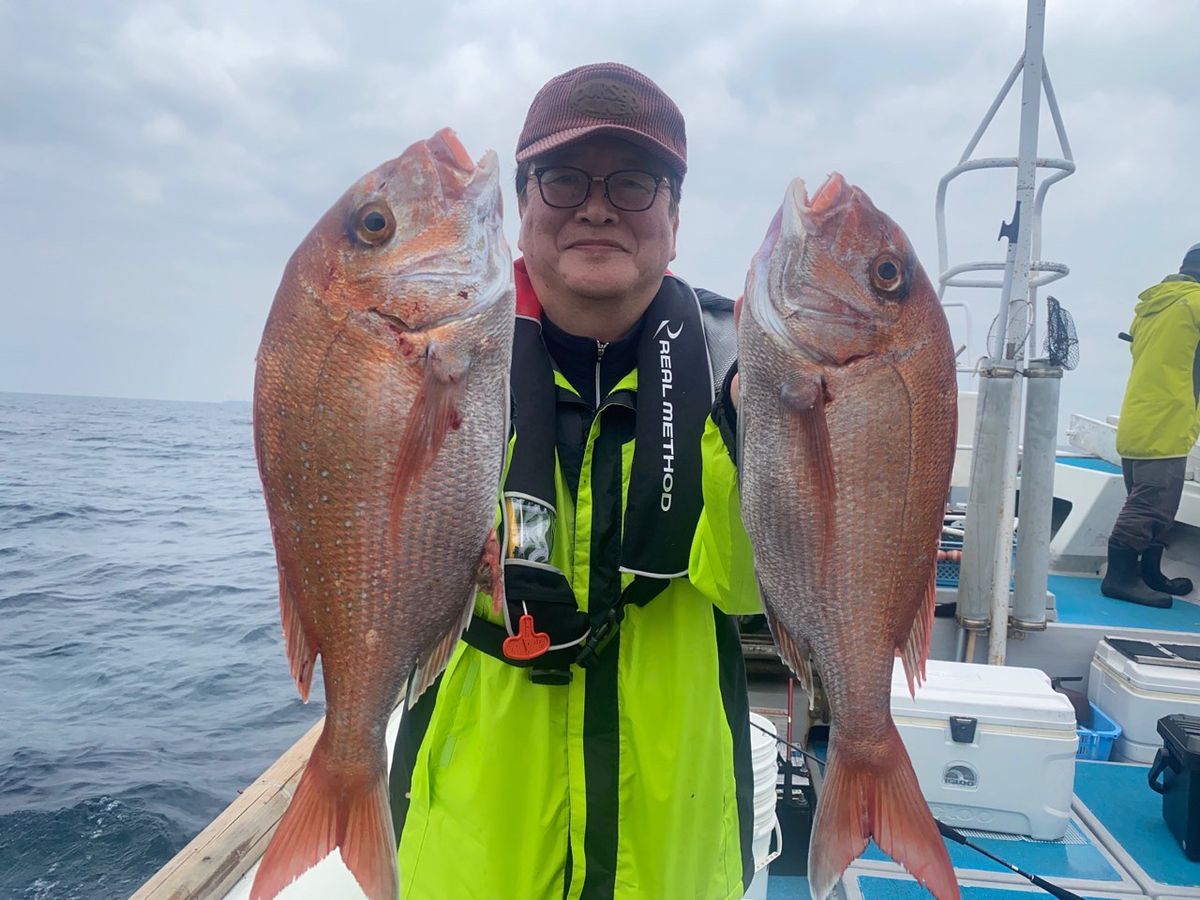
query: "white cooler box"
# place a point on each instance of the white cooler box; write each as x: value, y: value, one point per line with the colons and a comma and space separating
x: 993, y: 746
x: 1135, y: 691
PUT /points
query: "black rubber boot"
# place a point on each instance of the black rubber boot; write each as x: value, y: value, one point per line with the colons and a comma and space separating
x: 1123, y: 581
x: 1156, y: 580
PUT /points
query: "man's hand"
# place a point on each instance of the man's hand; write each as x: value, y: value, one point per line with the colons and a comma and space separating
x: 733, y: 390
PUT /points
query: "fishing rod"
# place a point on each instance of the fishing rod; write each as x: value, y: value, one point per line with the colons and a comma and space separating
x: 952, y: 833
x: 957, y: 836
x: 799, y: 750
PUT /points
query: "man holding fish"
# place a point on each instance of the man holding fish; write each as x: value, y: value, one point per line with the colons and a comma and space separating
x: 589, y: 735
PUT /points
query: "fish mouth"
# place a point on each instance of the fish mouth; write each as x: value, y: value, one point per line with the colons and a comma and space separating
x: 810, y: 217
x: 785, y: 291
x: 448, y: 150
x: 462, y: 179
x: 832, y: 194
x: 804, y: 218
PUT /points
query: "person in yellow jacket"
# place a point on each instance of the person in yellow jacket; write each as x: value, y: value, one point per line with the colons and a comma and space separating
x: 1160, y: 422
x: 592, y: 740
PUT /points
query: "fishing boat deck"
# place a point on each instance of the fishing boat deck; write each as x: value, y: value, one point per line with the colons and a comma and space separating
x: 1078, y: 601
x: 1116, y: 803
x: 1116, y: 846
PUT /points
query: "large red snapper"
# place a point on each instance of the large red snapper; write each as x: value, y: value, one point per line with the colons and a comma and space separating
x: 380, y: 420
x: 847, y: 421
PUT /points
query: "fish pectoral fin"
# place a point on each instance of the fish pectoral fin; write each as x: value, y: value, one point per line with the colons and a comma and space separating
x: 916, y: 648
x: 489, y: 577
x: 301, y: 652
x: 434, y: 413
x: 431, y: 663
x: 805, y: 398
x: 878, y: 798
x: 333, y: 809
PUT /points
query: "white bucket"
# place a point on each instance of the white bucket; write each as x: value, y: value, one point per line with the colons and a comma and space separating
x: 766, y: 773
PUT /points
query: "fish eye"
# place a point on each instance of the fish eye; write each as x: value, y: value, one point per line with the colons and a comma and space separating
x: 887, y: 273
x: 373, y: 223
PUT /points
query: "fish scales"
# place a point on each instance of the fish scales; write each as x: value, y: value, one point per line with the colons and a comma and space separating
x: 381, y: 416
x: 847, y: 424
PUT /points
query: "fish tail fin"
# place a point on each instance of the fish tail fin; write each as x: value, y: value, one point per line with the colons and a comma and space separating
x: 883, y: 801
x: 331, y: 811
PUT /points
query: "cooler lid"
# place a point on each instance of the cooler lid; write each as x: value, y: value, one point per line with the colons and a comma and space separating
x: 1168, y: 666
x: 1181, y: 735
x: 998, y: 695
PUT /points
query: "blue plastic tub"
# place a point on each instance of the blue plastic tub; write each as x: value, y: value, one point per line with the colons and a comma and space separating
x: 1097, y: 742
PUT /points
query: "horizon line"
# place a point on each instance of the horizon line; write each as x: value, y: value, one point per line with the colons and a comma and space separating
x: 116, y: 397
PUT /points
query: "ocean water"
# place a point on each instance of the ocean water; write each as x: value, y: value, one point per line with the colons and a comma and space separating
x: 143, y: 680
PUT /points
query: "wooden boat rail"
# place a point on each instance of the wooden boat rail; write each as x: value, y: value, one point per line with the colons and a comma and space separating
x: 216, y: 859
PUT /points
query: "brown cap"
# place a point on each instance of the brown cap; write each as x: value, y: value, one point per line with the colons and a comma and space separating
x: 604, y: 98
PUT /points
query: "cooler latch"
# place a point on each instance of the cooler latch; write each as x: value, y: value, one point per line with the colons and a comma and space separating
x: 962, y: 729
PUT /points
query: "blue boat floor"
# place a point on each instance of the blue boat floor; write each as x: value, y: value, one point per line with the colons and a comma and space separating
x: 788, y: 887
x: 1087, y: 462
x: 1142, y: 857
x: 1078, y: 601
x: 1120, y: 798
x: 880, y: 887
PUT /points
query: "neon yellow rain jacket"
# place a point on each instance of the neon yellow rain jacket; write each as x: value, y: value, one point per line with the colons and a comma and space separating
x: 1159, y: 418
x: 632, y: 780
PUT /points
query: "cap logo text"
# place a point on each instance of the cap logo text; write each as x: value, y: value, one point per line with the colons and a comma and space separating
x: 602, y: 98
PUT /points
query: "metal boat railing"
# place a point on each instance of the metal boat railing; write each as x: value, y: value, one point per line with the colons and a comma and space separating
x: 983, y: 599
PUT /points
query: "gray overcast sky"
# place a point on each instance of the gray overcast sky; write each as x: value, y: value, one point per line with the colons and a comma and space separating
x: 159, y: 161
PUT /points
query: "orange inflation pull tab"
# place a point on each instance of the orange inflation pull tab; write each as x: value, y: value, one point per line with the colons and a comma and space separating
x: 526, y: 643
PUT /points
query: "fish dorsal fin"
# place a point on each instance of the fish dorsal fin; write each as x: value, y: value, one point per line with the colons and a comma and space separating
x: 794, y: 651
x: 916, y: 648
x: 491, y: 575
x: 301, y: 652
x: 431, y: 664
x: 434, y: 413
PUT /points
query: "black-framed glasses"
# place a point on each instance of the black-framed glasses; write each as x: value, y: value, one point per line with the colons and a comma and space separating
x: 566, y: 187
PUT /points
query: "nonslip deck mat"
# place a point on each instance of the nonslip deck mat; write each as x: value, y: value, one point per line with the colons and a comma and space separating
x: 1073, y: 857
x: 874, y: 887
x: 1078, y: 601
x: 1122, y: 801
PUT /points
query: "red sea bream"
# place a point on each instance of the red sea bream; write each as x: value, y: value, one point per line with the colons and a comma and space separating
x: 380, y: 421
x: 847, y: 433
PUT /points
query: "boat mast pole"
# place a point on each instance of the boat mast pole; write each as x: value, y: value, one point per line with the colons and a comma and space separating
x: 1014, y: 314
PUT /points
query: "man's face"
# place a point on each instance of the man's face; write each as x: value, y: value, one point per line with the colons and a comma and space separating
x: 596, y: 252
